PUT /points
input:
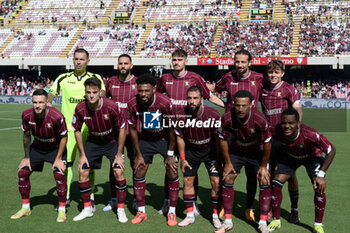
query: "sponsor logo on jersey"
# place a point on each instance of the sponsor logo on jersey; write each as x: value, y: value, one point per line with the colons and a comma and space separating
x: 73, y: 100
x: 101, y: 133
x: 115, y: 86
x: 169, y: 83
x: 31, y: 123
x: 87, y: 118
x: 273, y: 111
x: 233, y: 83
x: 71, y: 82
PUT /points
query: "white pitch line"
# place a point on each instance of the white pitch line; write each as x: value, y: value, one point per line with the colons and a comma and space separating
x: 10, y: 119
x: 5, y: 129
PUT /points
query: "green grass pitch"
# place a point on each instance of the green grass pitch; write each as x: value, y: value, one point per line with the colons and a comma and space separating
x: 44, y: 198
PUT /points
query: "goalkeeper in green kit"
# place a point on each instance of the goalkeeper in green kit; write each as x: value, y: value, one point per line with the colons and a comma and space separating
x: 71, y: 84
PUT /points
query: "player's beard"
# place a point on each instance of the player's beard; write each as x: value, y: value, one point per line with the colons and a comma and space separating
x: 193, y: 111
x: 127, y: 72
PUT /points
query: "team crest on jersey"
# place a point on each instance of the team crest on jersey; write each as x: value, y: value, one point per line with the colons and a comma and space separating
x: 105, y: 116
x: 48, y: 125
x: 133, y: 86
x: 187, y: 83
x: 253, y: 83
x: 252, y: 130
x: 279, y: 94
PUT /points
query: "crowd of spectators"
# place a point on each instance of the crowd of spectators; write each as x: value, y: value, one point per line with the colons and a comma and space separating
x: 319, y: 38
x: 10, y: 6
x: 268, y: 39
x: 128, y: 5
x: 316, y: 7
x: 196, y: 39
x: 324, y: 90
x: 18, y: 86
x: 266, y: 3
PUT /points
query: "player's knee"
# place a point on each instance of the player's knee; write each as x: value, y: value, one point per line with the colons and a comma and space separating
x: 84, y: 175
x: 230, y: 178
x: 188, y: 181
x: 118, y: 173
x: 277, y: 183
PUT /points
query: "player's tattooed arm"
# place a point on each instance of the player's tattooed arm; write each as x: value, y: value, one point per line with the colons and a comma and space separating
x: 59, y: 164
x: 139, y: 161
x: 228, y: 168
x: 320, y: 181
x: 26, y: 143
x: 263, y: 173
x: 51, y: 98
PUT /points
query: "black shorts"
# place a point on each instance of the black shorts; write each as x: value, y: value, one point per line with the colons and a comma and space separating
x: 95, y: 152
x: 130, y: 150
x: 251, y: 162
x: 196, y: 157
x: 276, y: 153
x: 150, y: 148
x: 288, y: 165
x: 37, y: 157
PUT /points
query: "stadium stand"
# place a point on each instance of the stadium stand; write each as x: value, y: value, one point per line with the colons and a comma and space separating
x: 37, y: 42
x: 319, y: 38
x: 196, y: 39
x: 259, y: 38
x: 108, y: 42
x: 128, y: 5
x: 53, y: 11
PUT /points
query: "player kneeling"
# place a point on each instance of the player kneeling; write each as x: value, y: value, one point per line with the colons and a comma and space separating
x: 104, y: 121
x: 50, y: 137
x: 300, y: 144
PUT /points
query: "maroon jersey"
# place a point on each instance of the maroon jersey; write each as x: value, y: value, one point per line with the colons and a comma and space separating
x: 307, y: 144
x: 121, y: 92
x: 247, y: 137
x: 275, y: 100
x: 176, y: 87
x: 200, y: 132
x: 103, y: 124
x: 47, y: 132
x: 136, y: 114
x: 231, y: 83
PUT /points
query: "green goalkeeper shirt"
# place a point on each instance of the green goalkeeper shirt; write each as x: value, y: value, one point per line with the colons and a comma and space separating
x: 73, y: 91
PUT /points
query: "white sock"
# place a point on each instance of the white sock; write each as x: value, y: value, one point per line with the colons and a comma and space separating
x: 317, y: 224
x: 62, y: 208
x: 278, y: 220
x: 190, y: 214
x: 229, y: 221
x: 171, y: 210
x: 215, y: 216
x: 89, y: 208
x: 261, y: 222
x: 67, y: 197
x: 141, y: 209
x: 92, y: 197
x: 26, y: 206
x: 295, y: 209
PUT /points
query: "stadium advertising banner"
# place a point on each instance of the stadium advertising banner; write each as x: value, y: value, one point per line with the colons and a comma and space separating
x: 24, y: 100
x: 227, y: 61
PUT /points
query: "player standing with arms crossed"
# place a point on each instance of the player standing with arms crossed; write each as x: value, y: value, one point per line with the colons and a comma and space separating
x: 48, y: 127
x: 71, y: 85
